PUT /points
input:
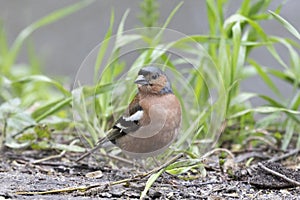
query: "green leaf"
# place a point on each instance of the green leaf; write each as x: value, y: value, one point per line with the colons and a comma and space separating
x: 264, y: 110
x: 183, y: 166
x: 98, y: 89
x: 260, y: 70
x: 10, y: 107
x: 295, y: 104
x: 285, y: 76
x: 150, y: 182
x: 42, y: 131
x: 280, y: 105
x: 127, y: 39
x: 50, y: 108
x: 289, y: 132
x: 120, y: 32
x: 11, y: 143
x: 26, y: 137
x: 41, y: 145
x: 103, y: 47
x: 286, y: 24
x: 64, y: 147
x: 163, y: 28
x: 41, y: 78
x: 242, y: 97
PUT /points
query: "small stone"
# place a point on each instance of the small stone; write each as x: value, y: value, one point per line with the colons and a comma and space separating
x: 154, y: 194
x: 95, y: 174
x: 170, y: 195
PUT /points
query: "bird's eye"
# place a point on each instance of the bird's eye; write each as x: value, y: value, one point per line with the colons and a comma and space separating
x: 154, y: 76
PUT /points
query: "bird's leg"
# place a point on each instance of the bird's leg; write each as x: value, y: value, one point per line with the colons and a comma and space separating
x: 139, y: 166
x: 155, y: 161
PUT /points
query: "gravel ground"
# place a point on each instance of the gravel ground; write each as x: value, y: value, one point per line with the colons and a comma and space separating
x: 18, y: 174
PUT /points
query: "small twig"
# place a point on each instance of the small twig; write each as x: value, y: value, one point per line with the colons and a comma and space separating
x: 85, y: 188
x: 284, y: 156
x: 163, y: 165
x: 217, y: 150
x: 266, y: 131
x: 54, y: 156
x: 49, y: 157
x: 82, y: 188
x: 118, y: 158
x: 220, y: 131
x: 246, y: 156
x: 264, y: 140
x: 3, y: 135
x: 24, y: 129
x: 296, y: 183
x: 259, y: 130
x: 249, y: 150
x: 203, y: 183
x: 256, y: 194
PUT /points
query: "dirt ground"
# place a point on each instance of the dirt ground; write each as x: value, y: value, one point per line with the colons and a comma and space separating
x: 23, y: 176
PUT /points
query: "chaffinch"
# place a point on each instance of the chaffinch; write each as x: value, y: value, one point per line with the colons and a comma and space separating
x: 151, y: 121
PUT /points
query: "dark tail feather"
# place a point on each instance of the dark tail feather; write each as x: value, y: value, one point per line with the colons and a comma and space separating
x: 98, y: 145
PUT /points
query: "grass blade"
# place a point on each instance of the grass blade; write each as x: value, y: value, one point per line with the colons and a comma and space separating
x: 286, y: 24
x: 262, y: 73
x: 41, y: 78
x: 157, y: 37
x: 49, y: 109
x: 150, y: 182
x: 289, y: 132
x: 104, y: 45
x: 265, y: 110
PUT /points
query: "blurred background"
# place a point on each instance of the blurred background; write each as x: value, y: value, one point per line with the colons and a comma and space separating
x: 62, y: 46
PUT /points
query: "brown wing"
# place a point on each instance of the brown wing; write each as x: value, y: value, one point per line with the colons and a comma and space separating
x: 123, y: 126
x: 134, y: 106
x: 120, y: 128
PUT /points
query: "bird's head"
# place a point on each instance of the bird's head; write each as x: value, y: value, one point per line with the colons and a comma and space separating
x: 152, y: 80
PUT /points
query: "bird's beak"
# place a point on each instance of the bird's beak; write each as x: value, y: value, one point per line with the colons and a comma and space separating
x: 141, y: 80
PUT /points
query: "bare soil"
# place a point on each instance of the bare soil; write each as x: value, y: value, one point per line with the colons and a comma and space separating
x: 61, y: 178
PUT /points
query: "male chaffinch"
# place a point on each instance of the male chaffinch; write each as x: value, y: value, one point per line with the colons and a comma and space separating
x: 152, y: 119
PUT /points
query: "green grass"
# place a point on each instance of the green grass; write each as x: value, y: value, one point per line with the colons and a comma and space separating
x: 28, y: 98
x: 207, y: 71
x: 220, y: 63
